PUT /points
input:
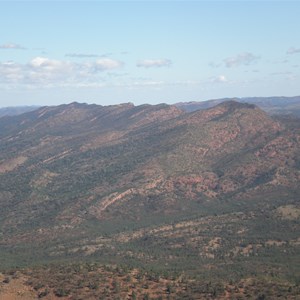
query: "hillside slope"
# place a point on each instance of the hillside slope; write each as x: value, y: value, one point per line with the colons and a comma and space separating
x: 152, y: 186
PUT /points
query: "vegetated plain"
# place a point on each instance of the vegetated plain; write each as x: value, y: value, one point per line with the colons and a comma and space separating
x: 150, y: 202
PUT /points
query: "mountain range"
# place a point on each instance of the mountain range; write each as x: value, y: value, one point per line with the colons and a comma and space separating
x: 17, y: 110
x: 210, y: 192
x: 271, y: 105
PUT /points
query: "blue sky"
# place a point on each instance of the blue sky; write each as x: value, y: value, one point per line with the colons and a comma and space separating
x: 108, y: 52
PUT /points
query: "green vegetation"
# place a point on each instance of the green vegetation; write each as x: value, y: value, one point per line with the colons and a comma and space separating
x: 94, y: 281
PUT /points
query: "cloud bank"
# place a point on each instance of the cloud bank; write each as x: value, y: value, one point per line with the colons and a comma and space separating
x: 43, y: 71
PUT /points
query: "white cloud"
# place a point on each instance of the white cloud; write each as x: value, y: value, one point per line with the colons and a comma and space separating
x: 240, y: 59
x: 219, y: 79
x: 293, y: 50
x: 11, y: 46
x: 148, y: 63
x: 107, y: 64
x: 42, y: 71
x: 50, y: 65
x: 10, y: 72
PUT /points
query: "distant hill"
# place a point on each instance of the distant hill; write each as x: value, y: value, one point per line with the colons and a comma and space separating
x: 13, y: 111
x: 272, y: 105
x: 213, y: 194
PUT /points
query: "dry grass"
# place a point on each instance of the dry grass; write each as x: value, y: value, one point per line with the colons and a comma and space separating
x: 289, y: 212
